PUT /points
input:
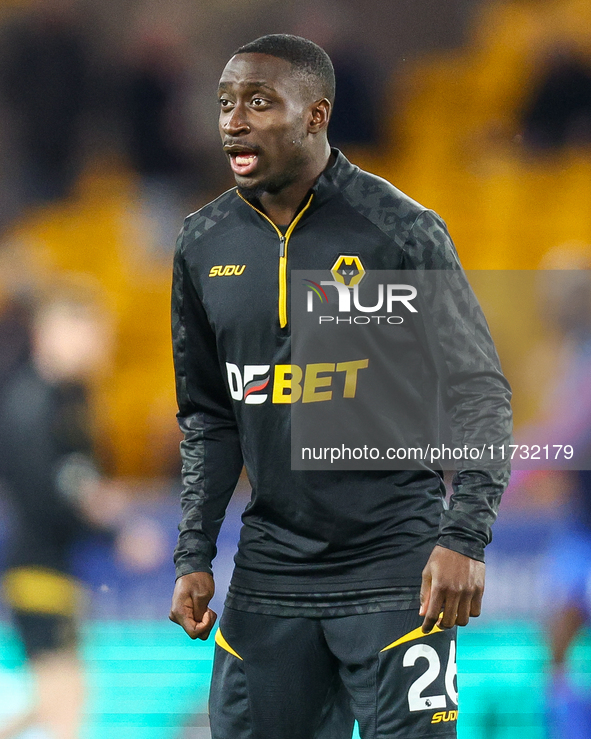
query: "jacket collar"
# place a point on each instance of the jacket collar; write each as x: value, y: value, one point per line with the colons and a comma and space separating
x: 333, y: 178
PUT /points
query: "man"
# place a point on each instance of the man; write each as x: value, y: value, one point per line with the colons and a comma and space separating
x: 49, y: 475
x: 322, y: 622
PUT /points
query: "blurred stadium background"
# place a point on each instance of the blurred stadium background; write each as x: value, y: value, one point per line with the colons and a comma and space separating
x: 480, y: 109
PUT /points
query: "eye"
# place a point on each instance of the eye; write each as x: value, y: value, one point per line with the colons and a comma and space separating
x: 224, y: 103
x: 259, y: 102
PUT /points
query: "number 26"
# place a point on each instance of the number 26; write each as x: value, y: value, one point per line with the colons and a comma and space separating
x: 419, y: 702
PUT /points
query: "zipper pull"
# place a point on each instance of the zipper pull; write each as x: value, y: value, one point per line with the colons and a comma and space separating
x: 282, y: 246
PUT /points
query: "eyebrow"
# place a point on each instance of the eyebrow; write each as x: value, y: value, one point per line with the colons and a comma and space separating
x: 259, y: 84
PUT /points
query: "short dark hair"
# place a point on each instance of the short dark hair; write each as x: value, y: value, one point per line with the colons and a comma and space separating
x: 306, y: 56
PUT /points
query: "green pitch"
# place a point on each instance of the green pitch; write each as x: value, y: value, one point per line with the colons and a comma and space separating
x: 147, y: 680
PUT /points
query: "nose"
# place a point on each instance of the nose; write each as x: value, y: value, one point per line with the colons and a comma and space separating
x: 234, y: 122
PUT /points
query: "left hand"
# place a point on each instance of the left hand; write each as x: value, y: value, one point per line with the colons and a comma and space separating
x: 452, y: 584
x: 190, y: 604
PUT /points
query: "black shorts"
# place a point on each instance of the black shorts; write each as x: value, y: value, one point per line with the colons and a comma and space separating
x: 310, y: 678
x: 41, y: 633
x: 45, y: 608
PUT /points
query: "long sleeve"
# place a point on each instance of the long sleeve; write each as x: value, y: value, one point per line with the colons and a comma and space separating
x: 210, y: 451
x: 476, y: 395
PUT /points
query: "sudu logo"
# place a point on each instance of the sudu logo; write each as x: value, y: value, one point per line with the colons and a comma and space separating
x: 226, y: 270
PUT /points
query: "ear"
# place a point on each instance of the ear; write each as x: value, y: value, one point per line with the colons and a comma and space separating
x: 319, y: 115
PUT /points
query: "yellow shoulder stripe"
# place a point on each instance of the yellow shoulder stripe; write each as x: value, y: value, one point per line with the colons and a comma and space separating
x: 411, y: 636
x: 221, y: 642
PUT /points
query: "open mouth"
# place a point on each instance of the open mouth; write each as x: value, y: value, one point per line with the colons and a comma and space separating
x: 243, y: 163
x: 243, y: 160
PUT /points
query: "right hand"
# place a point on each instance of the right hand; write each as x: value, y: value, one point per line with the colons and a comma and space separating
x: 190, y: 600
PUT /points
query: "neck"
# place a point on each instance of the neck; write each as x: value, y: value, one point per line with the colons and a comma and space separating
x: 281, y: 207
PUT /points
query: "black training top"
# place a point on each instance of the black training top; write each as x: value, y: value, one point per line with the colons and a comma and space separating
x: 315, y: 531
x: 45, y: 452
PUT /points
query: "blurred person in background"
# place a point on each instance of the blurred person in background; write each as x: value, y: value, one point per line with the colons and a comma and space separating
x: 153, y: 101
x: 45, y: 79
x: 354, y: 120
x: 569, y: 580
x: 564, y: 285
x: 22, y: 271
x: 153, y: 98
x: 564, y: 296
x: 14, y: 336
x: 49, y: 473
x: 559, y: 109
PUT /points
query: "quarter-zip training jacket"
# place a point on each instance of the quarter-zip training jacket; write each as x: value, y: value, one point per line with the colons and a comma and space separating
x: 313, y: 531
